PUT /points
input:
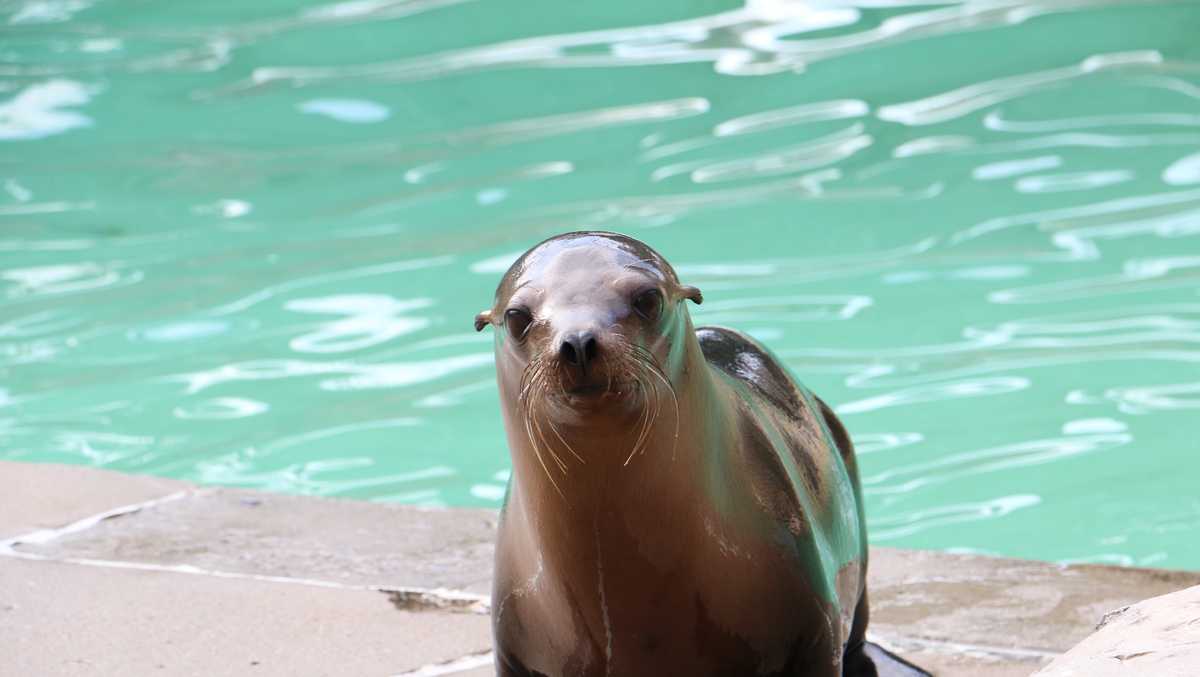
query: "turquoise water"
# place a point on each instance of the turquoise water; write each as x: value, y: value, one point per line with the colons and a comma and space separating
x: 243, y: 243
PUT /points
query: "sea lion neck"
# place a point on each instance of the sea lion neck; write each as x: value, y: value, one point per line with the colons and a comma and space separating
x: 612, y: 503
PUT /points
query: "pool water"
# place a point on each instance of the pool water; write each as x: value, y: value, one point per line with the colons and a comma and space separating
x: 243, y: 243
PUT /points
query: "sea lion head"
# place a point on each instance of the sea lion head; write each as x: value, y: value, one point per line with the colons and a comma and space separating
x: 588, y: 321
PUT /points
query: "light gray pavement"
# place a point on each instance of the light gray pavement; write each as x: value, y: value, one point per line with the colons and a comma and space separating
x: 201, y: 581
x: 34, y: 496
x: 1159, y: 636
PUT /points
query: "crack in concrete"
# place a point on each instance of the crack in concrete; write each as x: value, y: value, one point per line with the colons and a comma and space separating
x: 43, y: 536
x: 901, y: 644
x: 406, y: 598
x: 468, y: 662
x: 438, y: 599
x: 432, y: 598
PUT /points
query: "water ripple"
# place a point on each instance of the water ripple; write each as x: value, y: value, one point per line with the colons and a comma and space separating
x: 38, y: 110
x: 1184, y: 171
x: 932, y: 393
x: 370, y: 319
x: 749, y: 41
x: 903, y: 479
x: 246, y: 248
x: 899, y: 524
x: 55, y: 280
x: 959, y: 102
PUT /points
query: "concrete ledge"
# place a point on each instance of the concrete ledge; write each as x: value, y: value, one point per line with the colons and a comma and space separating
x: 68, y: 619
x: 187, y: 580
x: 37, y: 496
x: 1159, y: 636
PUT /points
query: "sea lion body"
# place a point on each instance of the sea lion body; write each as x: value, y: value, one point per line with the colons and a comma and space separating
x: 678, y: 504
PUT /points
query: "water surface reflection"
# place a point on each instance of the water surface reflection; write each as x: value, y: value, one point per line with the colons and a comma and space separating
x: 245, y: 248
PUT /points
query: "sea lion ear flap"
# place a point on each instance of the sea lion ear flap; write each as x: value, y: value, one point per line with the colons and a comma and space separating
x: 482, y: 320
x: 692, y: 294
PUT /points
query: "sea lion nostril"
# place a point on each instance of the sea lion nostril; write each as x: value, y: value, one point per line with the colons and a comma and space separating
x: 568, y: 353
x: 578, y: 349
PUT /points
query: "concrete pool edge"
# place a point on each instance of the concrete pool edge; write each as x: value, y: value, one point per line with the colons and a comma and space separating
x: 105, y: 573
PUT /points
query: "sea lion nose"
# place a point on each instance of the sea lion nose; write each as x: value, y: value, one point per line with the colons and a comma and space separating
x: 579, y: 349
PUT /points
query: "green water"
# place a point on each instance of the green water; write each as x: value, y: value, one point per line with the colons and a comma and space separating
x: 243, y: 243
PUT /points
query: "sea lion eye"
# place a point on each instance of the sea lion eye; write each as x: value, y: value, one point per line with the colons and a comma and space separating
x: 517, y: 321
x: 648, y: 304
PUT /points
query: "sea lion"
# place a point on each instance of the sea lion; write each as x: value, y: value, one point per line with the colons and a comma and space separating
x: 678, y: 505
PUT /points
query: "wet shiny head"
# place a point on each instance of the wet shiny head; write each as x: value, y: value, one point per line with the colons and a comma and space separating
x: 588, y: 321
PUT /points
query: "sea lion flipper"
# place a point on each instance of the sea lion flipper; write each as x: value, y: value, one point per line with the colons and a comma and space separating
x: 884, y: 663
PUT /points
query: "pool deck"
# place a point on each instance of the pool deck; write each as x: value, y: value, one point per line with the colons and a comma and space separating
x: 103, y: 573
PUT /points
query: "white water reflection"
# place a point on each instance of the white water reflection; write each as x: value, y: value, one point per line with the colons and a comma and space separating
x: 996, y: 121
x: 982, y: 95
x: 369, y: 320
x: 397, y: 375
x: 272, y: 291
x: 312, y: 478
x: 41, y: 323
x: 488, y: 492
x: 100, y: 448
x: 355, y: 111
x: 39, y: 110
x: 870, y: 443
x: 809, y: 155
x: 898, y: 524
x: 46, y: 11
x: 793, y: 115
x: 932, y: 393
x: 355, y: 375
x: 228, y: 208
x: 783, y: 309
x: 752, y: 41
x: 1142, y: 400
x: 1009, y: 168
x: 289, y: 441
x: 903, y: 479
x: 1056, y: 183
x: 454, y: 397
x: 1144, y: 333
x: 1086, y: 426
x: 1078, y: 228
x: 219, y: 408
x: 1137, y: 276
x: 74, y: 278
x: 1184, y: 171
x: 181, y: 331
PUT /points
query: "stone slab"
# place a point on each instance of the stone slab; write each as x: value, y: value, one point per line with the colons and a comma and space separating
x: 66, y: 619
x: 1005, y: 615
x: 352, y: 542
x: 45, y: 495
x: 1159, y: 636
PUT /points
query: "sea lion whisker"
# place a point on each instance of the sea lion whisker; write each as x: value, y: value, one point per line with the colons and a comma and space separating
x: 646, y: 360
x: 641, y: 415
x: 537, y: 453
x: 571, y: 449
x: 542, y: 436
x: 645, y: 422
x: 532, y: 373
x: 675, y: 401
x: 540, y: 384
x: 656, y: 412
